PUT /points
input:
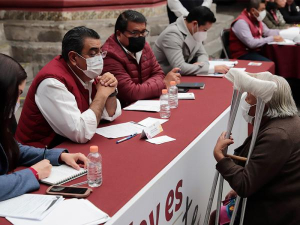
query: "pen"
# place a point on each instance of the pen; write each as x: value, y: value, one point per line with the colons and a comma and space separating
x: 44, y: 155
x: 127, y: 138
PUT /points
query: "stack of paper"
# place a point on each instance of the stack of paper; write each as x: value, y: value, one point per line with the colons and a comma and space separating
x: 285, y: 42
x: 221, y: 62
x: 186, y: 96
x: 214, y: 63
x: 120, y: 130
x: 69, y: 212
x: 145, y: 105
x: 290, y: 33
x: 29, y: 206
x: 160, y: 140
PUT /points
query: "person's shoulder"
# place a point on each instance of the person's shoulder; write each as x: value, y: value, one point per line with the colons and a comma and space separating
x: 281, y: 127
x: 110, y: 45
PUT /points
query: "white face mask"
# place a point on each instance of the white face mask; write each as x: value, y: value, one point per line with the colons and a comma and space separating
x: 17, y: 107
x: 94, y: 66
x: 199, y: 36
x: 261, y: 16
x: 245, y: 106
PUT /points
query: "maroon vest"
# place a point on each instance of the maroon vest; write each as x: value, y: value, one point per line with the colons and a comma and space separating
x: 33, y: 129
x: 238, y: 48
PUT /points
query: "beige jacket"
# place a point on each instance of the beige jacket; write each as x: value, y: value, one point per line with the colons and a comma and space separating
x: 176, y: 47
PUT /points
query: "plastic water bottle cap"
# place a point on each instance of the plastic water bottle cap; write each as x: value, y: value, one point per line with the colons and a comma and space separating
x: 164, y: 91
x: 94, y: 148
x: 173, y: 83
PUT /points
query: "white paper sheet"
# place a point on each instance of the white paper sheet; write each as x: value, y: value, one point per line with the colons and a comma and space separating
x: 219, y: 74
x: 69, y: 212
x: 145, y: 105
x: 150, y: 120
x: 289, y: 33
x: 186, y: 96
x: 120, y: 130
x: 285, y: 42
x: 160, y: 140
x: 30, y: 206
x: 221, y: 62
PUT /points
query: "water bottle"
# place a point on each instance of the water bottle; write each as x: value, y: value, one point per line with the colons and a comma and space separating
x: 164, y: 105
x: 173, y: 95
x: 94, y: 167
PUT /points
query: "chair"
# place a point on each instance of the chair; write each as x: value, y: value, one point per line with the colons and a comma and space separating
x: 225, y: 42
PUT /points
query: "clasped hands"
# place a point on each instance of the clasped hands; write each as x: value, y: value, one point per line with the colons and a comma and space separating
x: 107, y: 83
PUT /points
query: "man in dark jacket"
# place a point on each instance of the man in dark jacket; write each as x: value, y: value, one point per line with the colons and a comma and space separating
x: 132, y: 61
x: 290, y: 12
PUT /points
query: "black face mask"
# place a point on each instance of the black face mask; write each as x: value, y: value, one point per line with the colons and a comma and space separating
x: 271, y: 6
x: 136, y: 44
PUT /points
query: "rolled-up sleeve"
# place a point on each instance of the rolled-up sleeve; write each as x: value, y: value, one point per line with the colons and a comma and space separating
x: 118, y: 112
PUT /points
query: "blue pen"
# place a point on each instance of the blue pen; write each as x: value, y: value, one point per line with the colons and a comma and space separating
x: 127, y: 138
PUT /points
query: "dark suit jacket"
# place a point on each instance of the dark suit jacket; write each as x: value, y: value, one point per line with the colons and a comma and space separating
x: 271, y: 180
x: 292, y: 16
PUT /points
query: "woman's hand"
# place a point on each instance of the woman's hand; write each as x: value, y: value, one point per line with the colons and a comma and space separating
x: 76, y: 160
x: 43, y: 168
x: 222, y: 143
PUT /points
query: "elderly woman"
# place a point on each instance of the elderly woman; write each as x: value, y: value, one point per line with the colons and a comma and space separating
x: 12, y: 154
x: 271, y: 179
x: 274, y: 18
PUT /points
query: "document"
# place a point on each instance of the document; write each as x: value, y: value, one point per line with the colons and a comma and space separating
x: 186, y: 96
x: 289, y: 33
x: 161, y: 140
x: 221, y: 62
x: 120, y: 130
x: 214, y: 63
x: 30, y: 206
x: 219, y: 74
x: 285, y: 42
x: 150, y: 120
x: 69, y: 212
x: 145, y: 105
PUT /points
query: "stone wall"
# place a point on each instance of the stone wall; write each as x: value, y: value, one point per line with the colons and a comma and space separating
x: 34, y: 37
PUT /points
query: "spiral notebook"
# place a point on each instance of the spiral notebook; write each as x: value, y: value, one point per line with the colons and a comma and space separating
x: 63, y: 174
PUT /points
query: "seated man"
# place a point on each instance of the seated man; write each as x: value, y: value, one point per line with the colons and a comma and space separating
x: 248, y: 34
x: 290, y: 12
x: 180, y: 44
x: 132, y: 61
x: 63, y: 100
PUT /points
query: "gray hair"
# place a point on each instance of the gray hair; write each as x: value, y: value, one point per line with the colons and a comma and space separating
x: 282, y: 103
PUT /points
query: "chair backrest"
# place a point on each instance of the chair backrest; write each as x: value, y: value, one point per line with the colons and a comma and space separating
x: 225, y: 42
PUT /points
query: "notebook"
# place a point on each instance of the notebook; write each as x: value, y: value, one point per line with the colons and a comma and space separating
x: 63, y: 174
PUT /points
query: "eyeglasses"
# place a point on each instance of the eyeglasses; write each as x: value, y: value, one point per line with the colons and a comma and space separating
x: 138, y: 33
x: 102, y: 53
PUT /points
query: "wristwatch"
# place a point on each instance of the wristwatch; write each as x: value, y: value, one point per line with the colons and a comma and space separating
x: 114, y: 93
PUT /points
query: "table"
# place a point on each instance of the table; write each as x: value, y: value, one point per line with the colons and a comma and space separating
x: 286, y: 59
x: 169, y: 183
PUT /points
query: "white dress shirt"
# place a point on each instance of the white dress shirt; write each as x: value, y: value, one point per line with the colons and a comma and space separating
x: 179, y: 10
x: 60, y: 109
